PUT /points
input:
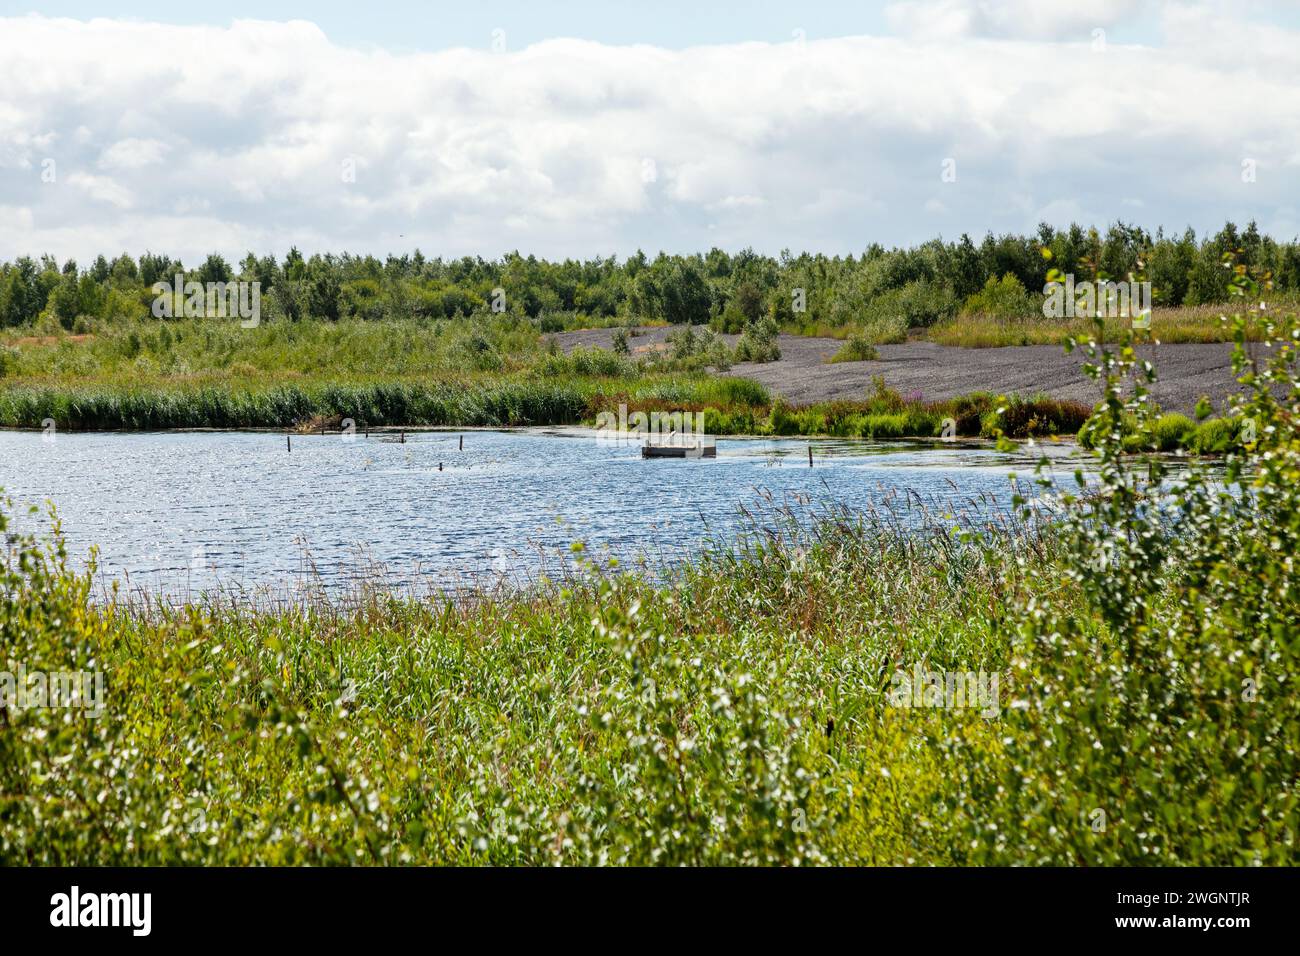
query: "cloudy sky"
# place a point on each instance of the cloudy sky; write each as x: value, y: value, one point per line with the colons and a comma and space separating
x: 583, y: 128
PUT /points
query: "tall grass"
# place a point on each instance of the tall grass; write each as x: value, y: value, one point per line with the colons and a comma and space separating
x: 285, y: 406
x: 597, y: 719
x: 206, y: 373
x: 1205, y: 323
x: 739, y: 710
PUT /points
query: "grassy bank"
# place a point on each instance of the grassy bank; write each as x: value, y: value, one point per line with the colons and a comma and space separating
x: 786, y: 699
x: 197, y: 374
x: 457, y: 373
x: 730, y: 407
x: 468, y: 401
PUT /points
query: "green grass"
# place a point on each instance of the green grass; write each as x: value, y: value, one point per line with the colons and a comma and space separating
x: 737, y: 713
x: 196, y: 373
x: 1173, y: 432
x: 206, y: 374
x: 744, y: 708
x: 496, y: 371
x: 885, y: 414
x: 1168, y: 325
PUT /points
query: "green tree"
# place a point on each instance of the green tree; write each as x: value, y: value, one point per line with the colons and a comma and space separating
x: 323, y: 290
x: 685, y: 295
x: 214, y: 269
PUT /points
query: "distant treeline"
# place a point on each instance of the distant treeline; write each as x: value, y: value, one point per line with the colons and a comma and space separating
x: 914, y: 287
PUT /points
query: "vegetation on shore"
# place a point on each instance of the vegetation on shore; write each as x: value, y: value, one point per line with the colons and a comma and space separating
x: 195, y: 373
x: 198, y: 373
x: 959, y: 292
x: 745, y: 710
x: 731, y: 406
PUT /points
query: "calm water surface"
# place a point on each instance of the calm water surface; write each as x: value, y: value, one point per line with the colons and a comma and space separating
x: 182, y: 512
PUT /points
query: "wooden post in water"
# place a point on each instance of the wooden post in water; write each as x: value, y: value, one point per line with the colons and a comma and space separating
x: 403, y: 441
x: 462, y: 442
x: 810, y: 456
x: 288, y: 442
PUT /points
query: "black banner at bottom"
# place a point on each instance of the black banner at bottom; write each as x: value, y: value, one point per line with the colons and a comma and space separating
x: 336, y: 906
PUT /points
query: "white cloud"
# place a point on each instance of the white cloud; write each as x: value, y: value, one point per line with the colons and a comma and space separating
x: 946, y: 19
x: 133, y: 153
x: 103, y: 189
x: 189, y: 139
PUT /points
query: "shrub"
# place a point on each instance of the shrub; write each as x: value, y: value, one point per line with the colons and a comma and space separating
x: 758, y: 342
x: 782, y: 420
x: 1032, y: 417
x: 586, y: 361
x: 878, y: 425
x: 697, y: 351
x: 1172, y: 431
x: 1003, y: 298
x: 883, y: 398
x: 967, y: 411
x: 887, y: 313
x: 1155, y: 725
x: 1214, y: 437
x: 551, y: 322
x: 857, y: 348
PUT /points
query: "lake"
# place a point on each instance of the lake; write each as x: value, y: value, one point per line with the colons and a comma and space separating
x: 183, y: 512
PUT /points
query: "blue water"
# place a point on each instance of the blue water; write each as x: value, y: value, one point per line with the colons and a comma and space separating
x: 184, y: 512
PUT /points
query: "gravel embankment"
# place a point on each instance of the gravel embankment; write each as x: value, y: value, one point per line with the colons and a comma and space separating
x: 801, y: 376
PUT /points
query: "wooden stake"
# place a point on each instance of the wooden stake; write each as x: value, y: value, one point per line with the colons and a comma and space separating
x: 810, y: 456
x: 462, y: 442
x: 288, y: 442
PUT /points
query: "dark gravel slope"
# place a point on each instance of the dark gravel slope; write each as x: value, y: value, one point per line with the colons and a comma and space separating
x: 1187, y: 371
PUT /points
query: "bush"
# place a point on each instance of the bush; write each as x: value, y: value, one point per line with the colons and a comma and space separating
x: 857, y: 348
x: 1171, y: 432
x: 887, y: 314
x: 1033, y: 417
x: 885, y: 426
x: 1168, y: 433
x: 586, y: 361
x: 693, y: 351
x: 1214, y: 437
x: 782, y: 420
x: 758, y: 342
x: 1156, y: 724
x: 1003, y: 298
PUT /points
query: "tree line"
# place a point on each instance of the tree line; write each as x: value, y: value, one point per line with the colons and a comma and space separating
x: 919, y: 285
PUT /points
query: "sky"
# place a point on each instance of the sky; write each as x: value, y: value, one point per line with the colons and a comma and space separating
x: 584, y: 129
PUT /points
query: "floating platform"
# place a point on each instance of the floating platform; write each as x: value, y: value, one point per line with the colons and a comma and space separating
x: 679, y: 451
